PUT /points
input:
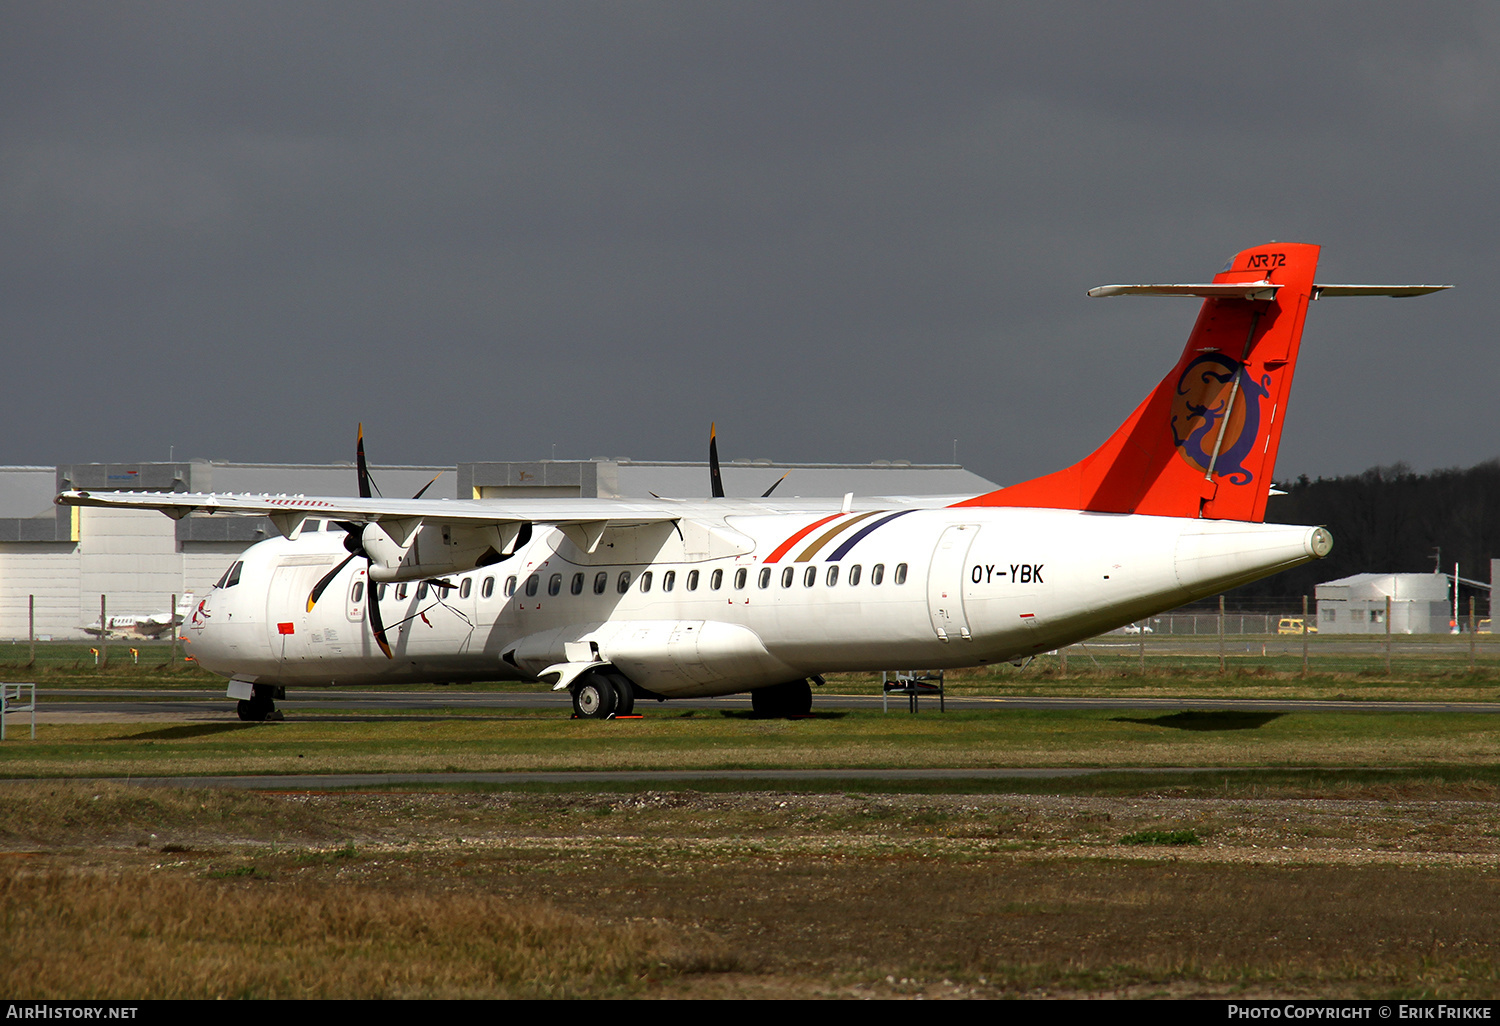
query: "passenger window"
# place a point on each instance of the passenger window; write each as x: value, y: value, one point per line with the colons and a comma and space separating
x: 787, y: 577
x: 312, y: 526
x: 577, y: 586
x: 532, y: 584
x: 692, y: 581
x: 358, y: 591
x: 765, y: 577
x: 646, y: 581
x: 877, y: 574
x: 623, y: 584
x: 379, y: 592
x: 810, y: 578
x: 510, y: 586
x: 601, y: 581
x: 487, y: 588
x: 466, y: 587
x: 668, y: 579
x: 400, y: 591
x: 854, y: 575
x: 833, y: 575
x: 554, y: 585
x: 421, y: 591
x: 900, y: 573
x: 739, y: 578
x: 716, y: 580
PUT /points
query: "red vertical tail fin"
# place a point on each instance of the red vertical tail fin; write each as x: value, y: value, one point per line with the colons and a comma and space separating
x: 1203, y: 444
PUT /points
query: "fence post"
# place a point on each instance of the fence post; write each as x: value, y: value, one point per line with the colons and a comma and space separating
x: 1304, y: 635
x: 1387, y: 635
x: 1144, y: 624
x: 31, y: 626
x: 103, y: 635
x: 1221, y: 633
x: 1471, y: 633
x: 1062, y: 654
x: 172, y: 619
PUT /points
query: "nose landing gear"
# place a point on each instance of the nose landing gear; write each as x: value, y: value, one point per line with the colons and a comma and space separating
x: 261, y: 705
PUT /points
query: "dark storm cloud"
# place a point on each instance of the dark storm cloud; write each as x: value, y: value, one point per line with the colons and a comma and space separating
x: 845, y: 231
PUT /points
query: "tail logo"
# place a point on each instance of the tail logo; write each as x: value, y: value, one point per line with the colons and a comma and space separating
x: 1202, y: 400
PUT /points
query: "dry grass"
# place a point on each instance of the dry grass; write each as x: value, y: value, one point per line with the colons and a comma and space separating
x: 1381, y: 893
x: 164, y: 935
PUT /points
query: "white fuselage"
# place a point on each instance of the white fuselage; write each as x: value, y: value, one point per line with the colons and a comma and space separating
x: 736, y: 596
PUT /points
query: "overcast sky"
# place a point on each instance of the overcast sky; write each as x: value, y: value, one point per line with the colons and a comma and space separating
x: 845, y: 231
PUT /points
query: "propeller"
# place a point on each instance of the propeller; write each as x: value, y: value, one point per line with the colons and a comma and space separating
x: 715, y: 479
x: 354, y: 541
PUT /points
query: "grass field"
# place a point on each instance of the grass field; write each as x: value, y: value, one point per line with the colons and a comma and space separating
x: 1333, y: 855
x: 1387, y: 890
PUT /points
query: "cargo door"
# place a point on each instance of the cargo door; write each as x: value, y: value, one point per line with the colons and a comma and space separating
x: 287, y: 619
x: 945, y: 582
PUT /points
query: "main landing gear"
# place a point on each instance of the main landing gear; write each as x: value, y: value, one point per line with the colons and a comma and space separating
x: 261, y: 705
x: 601, y: 694
x: 794, y: 698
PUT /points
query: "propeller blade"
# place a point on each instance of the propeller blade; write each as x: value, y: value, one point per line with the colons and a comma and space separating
x: 377, y: 627
x: 713, y: 463
x: 428, y: 485
x: 359, y: 462
x: 767, y: 493
x: 322, y: 585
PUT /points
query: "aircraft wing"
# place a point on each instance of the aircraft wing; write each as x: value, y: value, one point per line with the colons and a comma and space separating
x: 289, y: 512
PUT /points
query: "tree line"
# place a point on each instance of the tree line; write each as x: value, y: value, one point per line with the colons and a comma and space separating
x: 1388, y: 520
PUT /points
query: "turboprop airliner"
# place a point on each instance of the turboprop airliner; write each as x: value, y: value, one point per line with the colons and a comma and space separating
x: 626, y: 600
x: 131, y: 626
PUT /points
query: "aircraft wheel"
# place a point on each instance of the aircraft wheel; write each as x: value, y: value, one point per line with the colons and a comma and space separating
x: 624, y: 694
x: 794, y: 698
x: 257, y: 711
x: 260, y: 706
x: 594, y: 698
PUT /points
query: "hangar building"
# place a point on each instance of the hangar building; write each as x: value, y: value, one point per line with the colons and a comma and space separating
x: 61, y: 559
x: 1420, y: 604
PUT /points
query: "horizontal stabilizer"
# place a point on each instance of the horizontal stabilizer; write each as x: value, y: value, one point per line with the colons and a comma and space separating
x: 1261, y: 290
x: 1206, y: 290
x: 1394, y: 291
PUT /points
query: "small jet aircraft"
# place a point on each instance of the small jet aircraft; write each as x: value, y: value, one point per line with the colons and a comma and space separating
x: 142, y: 625
x: 622, y: 600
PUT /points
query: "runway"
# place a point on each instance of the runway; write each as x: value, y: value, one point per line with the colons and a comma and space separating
x: 105, y: 706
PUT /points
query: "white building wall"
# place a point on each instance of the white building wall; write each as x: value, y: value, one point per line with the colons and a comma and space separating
x: 131, y: 557
x: 48, y: 571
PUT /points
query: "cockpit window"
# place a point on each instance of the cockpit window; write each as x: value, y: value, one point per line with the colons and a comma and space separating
x: 233, y: 576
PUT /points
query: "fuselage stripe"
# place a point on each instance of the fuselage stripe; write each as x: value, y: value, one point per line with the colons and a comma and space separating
x: 828, y: 536
x: 786, y: 546
x: 843, y: 549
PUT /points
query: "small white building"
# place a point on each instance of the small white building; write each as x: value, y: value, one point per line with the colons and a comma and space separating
x: 1420, y: 604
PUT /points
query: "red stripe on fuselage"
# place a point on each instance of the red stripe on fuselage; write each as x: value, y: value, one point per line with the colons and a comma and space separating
x: 786, y: 546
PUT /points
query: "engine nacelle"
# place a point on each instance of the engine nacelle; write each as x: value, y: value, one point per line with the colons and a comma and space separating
x: 405, y: 550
